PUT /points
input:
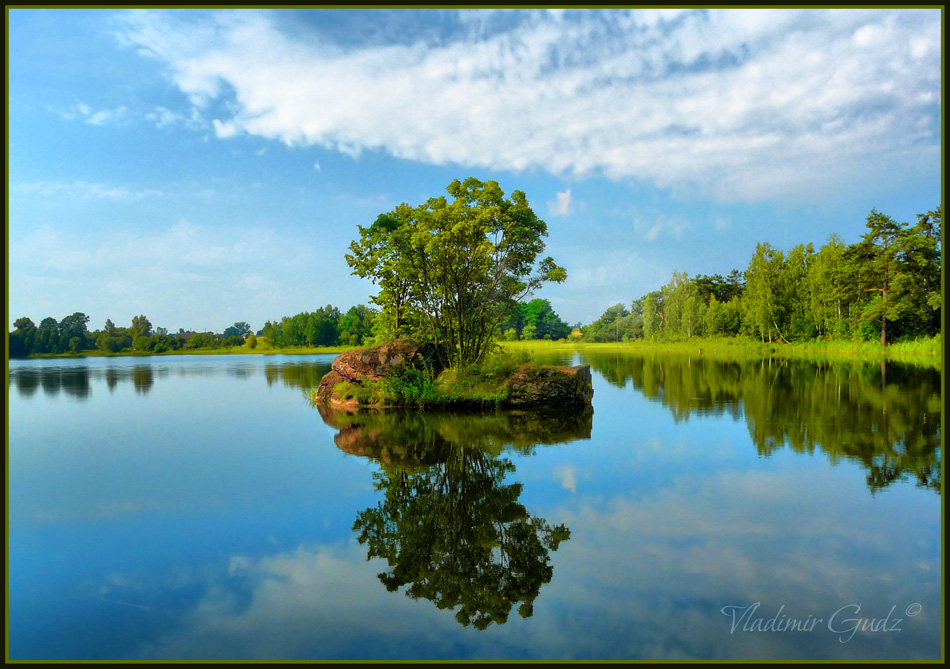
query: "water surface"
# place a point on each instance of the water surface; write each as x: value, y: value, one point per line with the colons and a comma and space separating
x: 199, y: 508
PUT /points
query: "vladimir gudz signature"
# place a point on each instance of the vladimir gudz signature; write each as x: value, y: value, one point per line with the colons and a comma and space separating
x: 845, y: 622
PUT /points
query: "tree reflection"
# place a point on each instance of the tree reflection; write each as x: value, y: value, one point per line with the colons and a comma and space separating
x: 75, y: 381
x: 885, y: 415
x: 450, y: 526
x: 143, y: 379
x: 304, y: 375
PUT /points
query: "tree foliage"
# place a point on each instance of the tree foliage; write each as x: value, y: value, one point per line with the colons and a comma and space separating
x: 887, y: 286
x: 449, y: 271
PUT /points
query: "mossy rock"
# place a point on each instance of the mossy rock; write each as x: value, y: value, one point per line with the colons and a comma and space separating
x: 359, y: 379
x: 550, y: 385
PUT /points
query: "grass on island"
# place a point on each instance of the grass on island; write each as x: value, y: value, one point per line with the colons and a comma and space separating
x: 475, y: 386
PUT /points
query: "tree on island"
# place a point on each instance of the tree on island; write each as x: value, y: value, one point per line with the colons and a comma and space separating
x: 450, y: 271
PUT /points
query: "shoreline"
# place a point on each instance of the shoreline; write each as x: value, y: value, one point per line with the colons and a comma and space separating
x: 929, y: 349
x: 925, y: 350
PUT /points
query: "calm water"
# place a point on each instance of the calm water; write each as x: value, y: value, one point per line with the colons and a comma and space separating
x: 199, y: 507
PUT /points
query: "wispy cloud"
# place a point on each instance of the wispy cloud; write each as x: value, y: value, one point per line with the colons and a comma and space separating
x: 722, y: 224
x: 651, y: 228
x: 163, y: 117
x: 563, y: 204
x: 83, y: 190
x: 85, y: 113
x: 740, y: 104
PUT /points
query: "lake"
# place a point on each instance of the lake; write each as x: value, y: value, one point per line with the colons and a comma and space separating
x: 198, y: 507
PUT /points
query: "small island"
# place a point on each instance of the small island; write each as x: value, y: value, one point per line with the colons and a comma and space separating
x: 448, y: 272
x: 409, y: 372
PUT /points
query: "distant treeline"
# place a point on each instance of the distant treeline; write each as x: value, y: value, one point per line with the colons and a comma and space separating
x: 327, y: 326
x: 884, y: 288
x: 71, y: 335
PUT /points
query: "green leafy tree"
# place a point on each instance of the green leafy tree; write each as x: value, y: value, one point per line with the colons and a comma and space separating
x: 239, y: 329
x: 328, y: 325
x: 142, y: 343
x: 458, y: 266
x: 547, y: 324
x: 878, y: 262
x: 47, y: 336
x: 681, y: 307
x: 22, y: 339
x: 795, y: 293
x: 764, y: 309
x: 918, y: 282
x: 651, y: 317
x: 141, y: 326
x: 201, y: 340
x: 356, y: 325
x: 828, y: 281
x: 73, y: 327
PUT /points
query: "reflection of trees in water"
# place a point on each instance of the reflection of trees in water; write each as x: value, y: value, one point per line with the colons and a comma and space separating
x: 449, y: 526
x: 884, y: 415
x: 304, y: 375
x: 143, y: 379
x: 26, y: 382
x: 75, y: 381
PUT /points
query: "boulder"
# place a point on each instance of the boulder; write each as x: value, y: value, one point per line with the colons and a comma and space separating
x: 325, y: 389
x: 550, y: 385
x: 530, y: 386
x: 372, y: 364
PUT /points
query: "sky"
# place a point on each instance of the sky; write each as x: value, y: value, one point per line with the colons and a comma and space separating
x: 204, y: 167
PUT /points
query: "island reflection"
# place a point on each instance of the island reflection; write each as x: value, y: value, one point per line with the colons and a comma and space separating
x: 450, y: 526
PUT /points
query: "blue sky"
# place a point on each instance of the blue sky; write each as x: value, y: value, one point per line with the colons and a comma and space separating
x: 206, y: 167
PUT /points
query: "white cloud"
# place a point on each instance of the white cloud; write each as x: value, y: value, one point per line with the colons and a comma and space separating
x: 740, y: 104
x: 224, y: 129
x: 85, y: 113
x: 567, y: 476
x: 163, y: 117
x: 562, y: 205
x: 316, y: 167
x: 650, y: 229
x: 106, y: 116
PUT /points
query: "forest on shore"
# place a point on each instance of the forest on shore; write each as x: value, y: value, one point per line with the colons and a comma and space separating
x: 885, y: 288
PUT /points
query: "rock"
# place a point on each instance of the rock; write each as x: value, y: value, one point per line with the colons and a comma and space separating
x: 530, y: 386
x: 372, y: 364
x: 325, y: 389
x: 549, y: 385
